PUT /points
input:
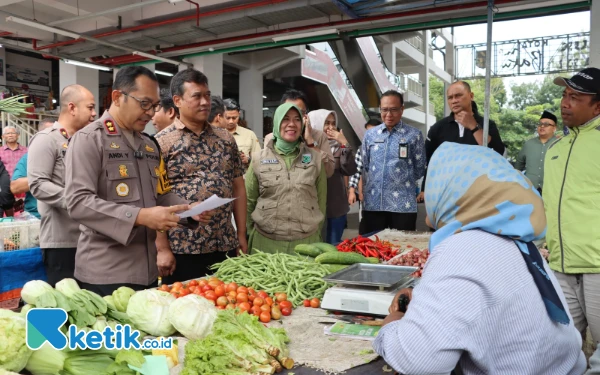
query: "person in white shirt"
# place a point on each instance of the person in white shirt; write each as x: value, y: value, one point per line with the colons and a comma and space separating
x: 487, y: 301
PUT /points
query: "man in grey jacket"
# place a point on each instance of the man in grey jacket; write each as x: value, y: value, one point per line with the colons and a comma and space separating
x: 46, y: 176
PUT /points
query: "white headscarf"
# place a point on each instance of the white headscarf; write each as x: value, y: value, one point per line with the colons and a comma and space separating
x: 317, y: 121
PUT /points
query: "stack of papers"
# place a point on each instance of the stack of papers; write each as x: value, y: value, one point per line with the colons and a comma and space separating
x: 353, y: 331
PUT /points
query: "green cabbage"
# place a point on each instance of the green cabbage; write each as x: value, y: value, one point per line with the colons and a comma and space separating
x: 46, y: 361
x: 193, y: 316
x: 13, y: 350
x: 148, y: 310
x: 121, y: 297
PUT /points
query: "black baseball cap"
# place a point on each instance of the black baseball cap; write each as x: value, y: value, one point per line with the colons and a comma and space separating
x: 586, y: 81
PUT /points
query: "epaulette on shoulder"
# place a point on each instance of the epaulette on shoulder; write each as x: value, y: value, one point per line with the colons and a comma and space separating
x: 153, y: 139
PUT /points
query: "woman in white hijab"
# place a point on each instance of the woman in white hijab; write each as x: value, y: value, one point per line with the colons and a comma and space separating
x: 337, y: 201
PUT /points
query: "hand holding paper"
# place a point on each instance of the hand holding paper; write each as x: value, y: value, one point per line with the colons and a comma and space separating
x: 204, y: 206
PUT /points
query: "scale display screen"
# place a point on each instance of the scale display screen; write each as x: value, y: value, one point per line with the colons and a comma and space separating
x: 378, y: 275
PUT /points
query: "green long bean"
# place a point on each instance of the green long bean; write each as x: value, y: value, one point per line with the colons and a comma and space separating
x: 300, y: 278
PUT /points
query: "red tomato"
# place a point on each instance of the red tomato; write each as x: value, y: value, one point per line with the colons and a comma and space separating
x: 232, y: 287
x: 242, y: 289
x: 178, y: 285
x: 306, y: 303
x: 192, y: 288
x: 230, y: 306
x: 210, y: 295
x: 286, y: 311
x: 206, y: 288
x: 284, y: 304
x: 214, y: 283
x: 315, y: 302
x: 231, y: 300
x: 256, y: 310
x: 269, y: 301
x: 213, y: 278
x: 202, y: 282
x: 262, y: 294
x: 198, y: 291
x: 251, y: 291
x: 265, y: 307
x: 242, y: 297
x: 193, y: 283
x: 281, y: 297
x: 221, y: 307
x: 220, y: 290
x: 184, y: 292
x: 244, y: 306
x: 265, y: 317
x: 251, y: 297
x: 222, y: 301
x: 258, y: 301
x: 164, y: 288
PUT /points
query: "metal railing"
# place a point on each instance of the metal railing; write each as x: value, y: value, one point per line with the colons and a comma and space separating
x: 415, y: 41
x: 26, y: 127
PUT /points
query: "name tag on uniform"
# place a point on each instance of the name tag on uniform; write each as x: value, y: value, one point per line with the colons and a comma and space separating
x: 306, y: 158
x: 403, y: 151
x: 379, y: 141
x: 269, y: 161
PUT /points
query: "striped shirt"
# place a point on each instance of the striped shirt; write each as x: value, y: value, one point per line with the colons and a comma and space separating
x: 477, y: 306
x: 355, y: 178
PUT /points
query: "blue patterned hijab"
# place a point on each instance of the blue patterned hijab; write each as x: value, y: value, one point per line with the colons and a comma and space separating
x: 473, y: 187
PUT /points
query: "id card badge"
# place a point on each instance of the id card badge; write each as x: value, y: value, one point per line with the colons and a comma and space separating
x: 403, y: 151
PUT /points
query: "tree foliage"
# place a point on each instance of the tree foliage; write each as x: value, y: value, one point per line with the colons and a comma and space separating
x: 516, y: 118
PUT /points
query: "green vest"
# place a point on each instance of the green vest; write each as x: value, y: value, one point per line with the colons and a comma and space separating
x: 572, y: 200
x: 287, y: 208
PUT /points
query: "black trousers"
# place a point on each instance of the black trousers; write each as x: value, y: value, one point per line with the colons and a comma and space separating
x: 59, y: 264
x: 374, y: 221
x: 107, y: 289
x: 193, y: 266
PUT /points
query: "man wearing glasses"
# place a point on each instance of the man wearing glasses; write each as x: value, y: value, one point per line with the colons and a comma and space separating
x: 116, y: 188
x: 531, y: 157
x: 393, y: 160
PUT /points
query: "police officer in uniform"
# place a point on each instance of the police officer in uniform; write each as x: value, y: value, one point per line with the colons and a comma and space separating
x: 46, y: 175
x: 117, y: 189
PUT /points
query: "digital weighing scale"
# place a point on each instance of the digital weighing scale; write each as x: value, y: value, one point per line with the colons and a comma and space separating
x: 366, y: 288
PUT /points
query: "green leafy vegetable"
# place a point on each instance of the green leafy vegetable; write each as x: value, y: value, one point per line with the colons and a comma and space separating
x: 193, y: 316
x: 121, y: 297
x: 13, y: 350
x: 149, y: 311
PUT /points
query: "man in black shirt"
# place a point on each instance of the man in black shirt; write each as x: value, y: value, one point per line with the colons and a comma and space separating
x: 464, y: 125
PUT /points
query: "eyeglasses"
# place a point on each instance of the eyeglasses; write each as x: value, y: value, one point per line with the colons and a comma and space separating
x: 145, y: 104
x: 393, y: 111
x: 545, y: 124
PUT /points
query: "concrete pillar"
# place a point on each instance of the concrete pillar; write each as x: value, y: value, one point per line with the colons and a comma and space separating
x: 595, y: 34
x: 212, y: 66
x: 70, y: 74
x: 389, y: 56
x: 426, y: 41
x: 251, y: 99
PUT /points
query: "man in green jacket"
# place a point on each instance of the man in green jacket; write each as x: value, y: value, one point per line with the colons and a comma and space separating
x: 572, y: 200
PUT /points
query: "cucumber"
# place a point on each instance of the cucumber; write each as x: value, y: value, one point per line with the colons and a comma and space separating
x: 308, y: 250
x: 324, y: 247
x: 333, y: 268
x: 373, y: 260
x: 340, y: 258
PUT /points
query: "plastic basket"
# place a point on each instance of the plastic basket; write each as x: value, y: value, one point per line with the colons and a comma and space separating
x: 10, y: 300
x: 19, y: 235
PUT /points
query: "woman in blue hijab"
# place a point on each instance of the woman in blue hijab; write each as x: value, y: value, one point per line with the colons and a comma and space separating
x: 487, y: 301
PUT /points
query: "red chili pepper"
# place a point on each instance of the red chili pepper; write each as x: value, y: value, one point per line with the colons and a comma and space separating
x: 363, y: 239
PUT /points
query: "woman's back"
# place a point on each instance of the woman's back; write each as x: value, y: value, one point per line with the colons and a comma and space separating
x: 477, y: 301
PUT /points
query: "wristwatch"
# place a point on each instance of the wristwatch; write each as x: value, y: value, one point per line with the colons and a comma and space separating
x: 478, y: 127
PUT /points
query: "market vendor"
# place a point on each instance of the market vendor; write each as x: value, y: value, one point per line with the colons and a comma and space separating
x: 487, y: 301
x: 117, y: 189
x: 46, y: 176
x: 286, y: 186
x: 345, y: 165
